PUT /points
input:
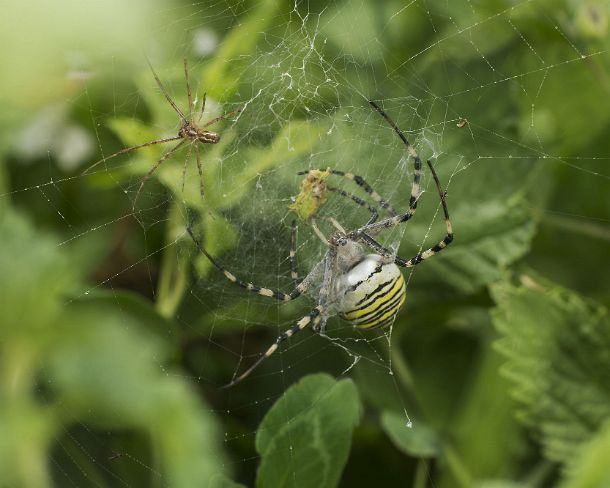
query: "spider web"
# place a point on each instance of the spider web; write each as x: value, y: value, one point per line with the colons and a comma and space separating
x: 303, y: 73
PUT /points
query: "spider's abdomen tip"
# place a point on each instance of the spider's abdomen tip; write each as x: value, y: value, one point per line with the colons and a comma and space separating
x: 209, y: 137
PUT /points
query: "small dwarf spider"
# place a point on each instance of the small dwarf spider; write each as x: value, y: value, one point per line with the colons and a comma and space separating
x: 189, y: 135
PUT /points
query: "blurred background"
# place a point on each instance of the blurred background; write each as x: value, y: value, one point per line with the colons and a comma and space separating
x: 116, y: 334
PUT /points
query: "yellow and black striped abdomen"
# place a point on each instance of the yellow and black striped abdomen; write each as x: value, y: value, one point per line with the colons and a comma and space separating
x: 374, y: 293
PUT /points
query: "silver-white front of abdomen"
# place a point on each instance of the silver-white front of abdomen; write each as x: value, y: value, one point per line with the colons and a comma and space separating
x: 371, y: 293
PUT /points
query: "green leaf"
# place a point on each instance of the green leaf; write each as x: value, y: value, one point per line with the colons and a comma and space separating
x: 4, y: 183
x: 472, y: 433
x: 416, y: 440
x: 133, y: 132
x: 501, y: 484
x: 36, y: 275
x: 492, y: 236
x: 87, y: 362
x: 590, y: 467
x: 304, y: 440
x: 296, y: 140
x: 134, y: 307
x: 558, y: 350
x: 107, y: 372
x: 221, y: 75
x: 560, y: 131
x: 363, y: 43
x: 224, y: 482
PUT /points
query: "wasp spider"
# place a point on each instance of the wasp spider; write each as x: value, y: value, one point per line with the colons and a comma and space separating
x: 366, y: 289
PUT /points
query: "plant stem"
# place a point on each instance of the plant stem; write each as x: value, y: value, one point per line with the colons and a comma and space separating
x: 421, y: 474
x: 571, y: 224
x: 457, y: 467
x: 401, y: 368
x: 173, y: 276
x: 25, y: 426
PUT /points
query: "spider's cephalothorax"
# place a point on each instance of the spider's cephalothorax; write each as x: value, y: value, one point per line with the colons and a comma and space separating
x: 366, y: 289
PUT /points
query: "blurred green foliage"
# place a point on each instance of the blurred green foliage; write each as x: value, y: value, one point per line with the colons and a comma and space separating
x: 115, y: 334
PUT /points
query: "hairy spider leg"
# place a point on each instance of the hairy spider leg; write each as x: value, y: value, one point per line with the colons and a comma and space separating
x: 223, y: 117
x: 186, y: 161
x: 205, y: 95
x: 200, y: 171
x: 128, y: 150
x: 166, y: 94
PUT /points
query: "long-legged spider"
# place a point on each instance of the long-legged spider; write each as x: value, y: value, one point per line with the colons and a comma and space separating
x: 190, y: 134
x: 367, y: 290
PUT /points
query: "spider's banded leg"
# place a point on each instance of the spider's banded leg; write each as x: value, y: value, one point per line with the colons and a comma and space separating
x: 129, y: 149
x: 419, y: 257
x: 415, y: 186
x: 376, y: 246
x: 154, y: 168
x: 360, y: 181
x: 312, y: 318
x: 188, y: 91
x: 294, y: 269
x: 165, y: 93
x: 200, y: 170
x: 359, y: 201
x: 442, y: 244
x: 265, y: 292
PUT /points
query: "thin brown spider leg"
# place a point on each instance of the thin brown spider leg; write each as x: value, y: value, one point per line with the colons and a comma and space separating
x: 205, y: 95
x: 154, y: 168
x: 200, y: 169
x: 166, y: 94
x: 188, y: 156
x: 222, y: 117
x: 188, y: 90
x: 129, y: 149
